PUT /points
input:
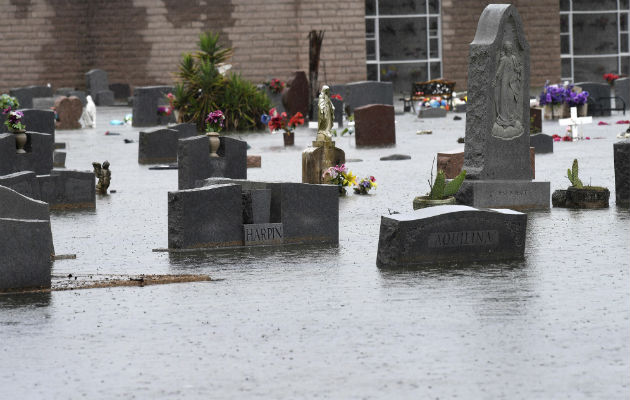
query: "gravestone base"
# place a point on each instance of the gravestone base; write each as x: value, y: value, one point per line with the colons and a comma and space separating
x: 432, y: 113
x: 450, y: 234
x: 319, y: 157
x: 514, y: 194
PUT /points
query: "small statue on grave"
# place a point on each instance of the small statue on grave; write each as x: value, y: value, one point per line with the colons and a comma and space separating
x: 325, y: 115
x: 104, y: 176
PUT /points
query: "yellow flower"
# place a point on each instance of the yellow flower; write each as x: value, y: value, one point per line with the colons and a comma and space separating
x: 352, y: 179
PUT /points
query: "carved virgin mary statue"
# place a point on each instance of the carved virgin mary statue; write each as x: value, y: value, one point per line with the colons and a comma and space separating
x: 508, y: 92
x: 325, y: 115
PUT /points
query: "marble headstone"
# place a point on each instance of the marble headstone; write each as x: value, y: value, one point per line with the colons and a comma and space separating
x: 497, y: 148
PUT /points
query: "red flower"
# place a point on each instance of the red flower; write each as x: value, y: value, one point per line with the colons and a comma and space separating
x: 337, y: 97
x: 297, y: 119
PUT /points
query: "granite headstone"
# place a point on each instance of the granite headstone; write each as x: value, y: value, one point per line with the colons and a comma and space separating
x: 295, y: 97
x: 98, y: 87
x: 622, y: 173
x: 375, y: 125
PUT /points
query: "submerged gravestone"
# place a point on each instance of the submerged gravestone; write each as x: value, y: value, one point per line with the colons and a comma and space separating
x: 42, y: 121
x: 447, y: 234
x: 358, y: 94
x: 295, y: 97
x: 26, y: 246
x: 622, y: 173
x: 98, y: 87
x: 599, y: 103
x: 160, y: 146
x: 374, y: 125
x: 25, y: 95
x: 622, y: 91
x: 194, y: 162
x: 145, y: 104
x: 497, y: 149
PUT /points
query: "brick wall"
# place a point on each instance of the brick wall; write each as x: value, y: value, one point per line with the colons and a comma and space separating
x: 140, y: 42
x: 541, y: 22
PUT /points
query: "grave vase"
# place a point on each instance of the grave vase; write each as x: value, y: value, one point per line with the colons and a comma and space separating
x: 289, y: 138
x: 20, y: 141
x: 215, y: 142
x: 424, y: 202
x: 556, y: 111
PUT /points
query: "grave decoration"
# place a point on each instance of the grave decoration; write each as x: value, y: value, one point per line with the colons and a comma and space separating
x: 450, y: 234
x: 622, y: 172
x: 611, y: 78
x: 322, y: 154
x: 442, y: 192
x: 223, y: 212
x: 14, y: 125
x: 365, y: 185
x: 214, y: 123
x: 88, y: 117
x: 557, y: 99
x: 579, y: 196
x: 26, y: 244
x: 201, y: 87
x: 340, y: 176
x: 573, y: 123
x: 281, y: 122
x: 8, y: 103
x: 497, y: 152
x: 104, y: 176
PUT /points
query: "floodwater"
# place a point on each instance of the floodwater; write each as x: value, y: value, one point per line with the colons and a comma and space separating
x: 325, y: 322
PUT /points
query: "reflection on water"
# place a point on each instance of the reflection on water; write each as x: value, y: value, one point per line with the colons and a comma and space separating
x: 24, y: 300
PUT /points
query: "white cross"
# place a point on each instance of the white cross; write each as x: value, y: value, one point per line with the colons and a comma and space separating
x: 574, y: 122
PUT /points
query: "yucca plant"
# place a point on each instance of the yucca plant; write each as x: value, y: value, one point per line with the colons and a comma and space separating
x: 201, y: 89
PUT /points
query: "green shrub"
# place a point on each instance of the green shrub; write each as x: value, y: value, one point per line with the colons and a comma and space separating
x: 201, y: 89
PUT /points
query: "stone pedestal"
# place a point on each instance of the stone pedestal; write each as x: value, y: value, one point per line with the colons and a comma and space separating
x: 514, y: 194
x: 319, y: 157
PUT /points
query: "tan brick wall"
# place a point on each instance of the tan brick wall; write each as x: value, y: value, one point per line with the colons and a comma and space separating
x: 140, y: 42
x: 541, y: 22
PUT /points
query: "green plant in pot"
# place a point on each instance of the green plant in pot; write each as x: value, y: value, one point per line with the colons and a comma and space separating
x: 579, y: 196
x: 442, y: 192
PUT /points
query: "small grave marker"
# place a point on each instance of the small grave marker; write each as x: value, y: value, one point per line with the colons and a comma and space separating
x: 574, y: 122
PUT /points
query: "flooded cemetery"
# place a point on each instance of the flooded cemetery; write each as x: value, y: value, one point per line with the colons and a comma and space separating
x: 385, y: 247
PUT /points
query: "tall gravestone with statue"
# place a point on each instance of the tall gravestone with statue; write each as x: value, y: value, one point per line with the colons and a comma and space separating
x: 322, y: 154
x: 496, y: 153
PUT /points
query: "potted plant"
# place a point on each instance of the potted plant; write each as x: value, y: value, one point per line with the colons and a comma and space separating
x: 364, y: 185
x: 553, y: 99
x: 442, y: 192
x: 281, y: 121
x: 14, y: 124
x: 214, y: 124
x: 340, y: 176
x: 579, y: 196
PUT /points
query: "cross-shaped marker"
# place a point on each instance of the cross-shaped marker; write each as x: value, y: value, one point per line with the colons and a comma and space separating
x: 574, y: 122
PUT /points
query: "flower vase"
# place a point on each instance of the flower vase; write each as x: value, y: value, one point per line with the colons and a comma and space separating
x: 215, y: 142
x: 20, y: 141
x: 289, y: 138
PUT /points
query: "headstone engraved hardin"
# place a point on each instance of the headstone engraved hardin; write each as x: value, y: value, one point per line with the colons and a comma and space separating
x: 262, y: 234
x: 497, y: 155
x: 447, y: 234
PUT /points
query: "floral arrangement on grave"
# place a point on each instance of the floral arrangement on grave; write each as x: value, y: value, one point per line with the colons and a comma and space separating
x: 165, y: 111
x: 611, y: 78
x: 364, y: 185
x: 281, y: 121
x: 336, y: 97
x: 215, y: 121
x: 553, y: 94
x: 14, y: 121
x: 339, y: 175
x: 574, y: 99
x: 276, y: 86
x: 579, y: 196
x: 202, y: 87
x: 8, y: 103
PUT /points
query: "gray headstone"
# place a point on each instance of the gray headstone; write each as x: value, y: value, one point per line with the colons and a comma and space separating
x: 38, y: 156
x: 195, y: 164
x: 541, y: 143
x: 622, y: 90
x: 256, y: 206
x: 158, y: 146
x: 205, y: 217
x: 185, y: 130
x: 145, y: 103
x: 43, y: 103
x: 447, y: 234
x: 21, y: 268
x: 121, y: 91
x: 98, y: 87
x: 598, y: 97
x: 432, y: 112
x: 16, y: 205
x: 42, y: 121
x: 359, y: 94
x: 622, y: 173
x: 25, y: 183
x: 496, y: 153
x: 67, y: 189
x: 308, y: 213
x: 26, y: 94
